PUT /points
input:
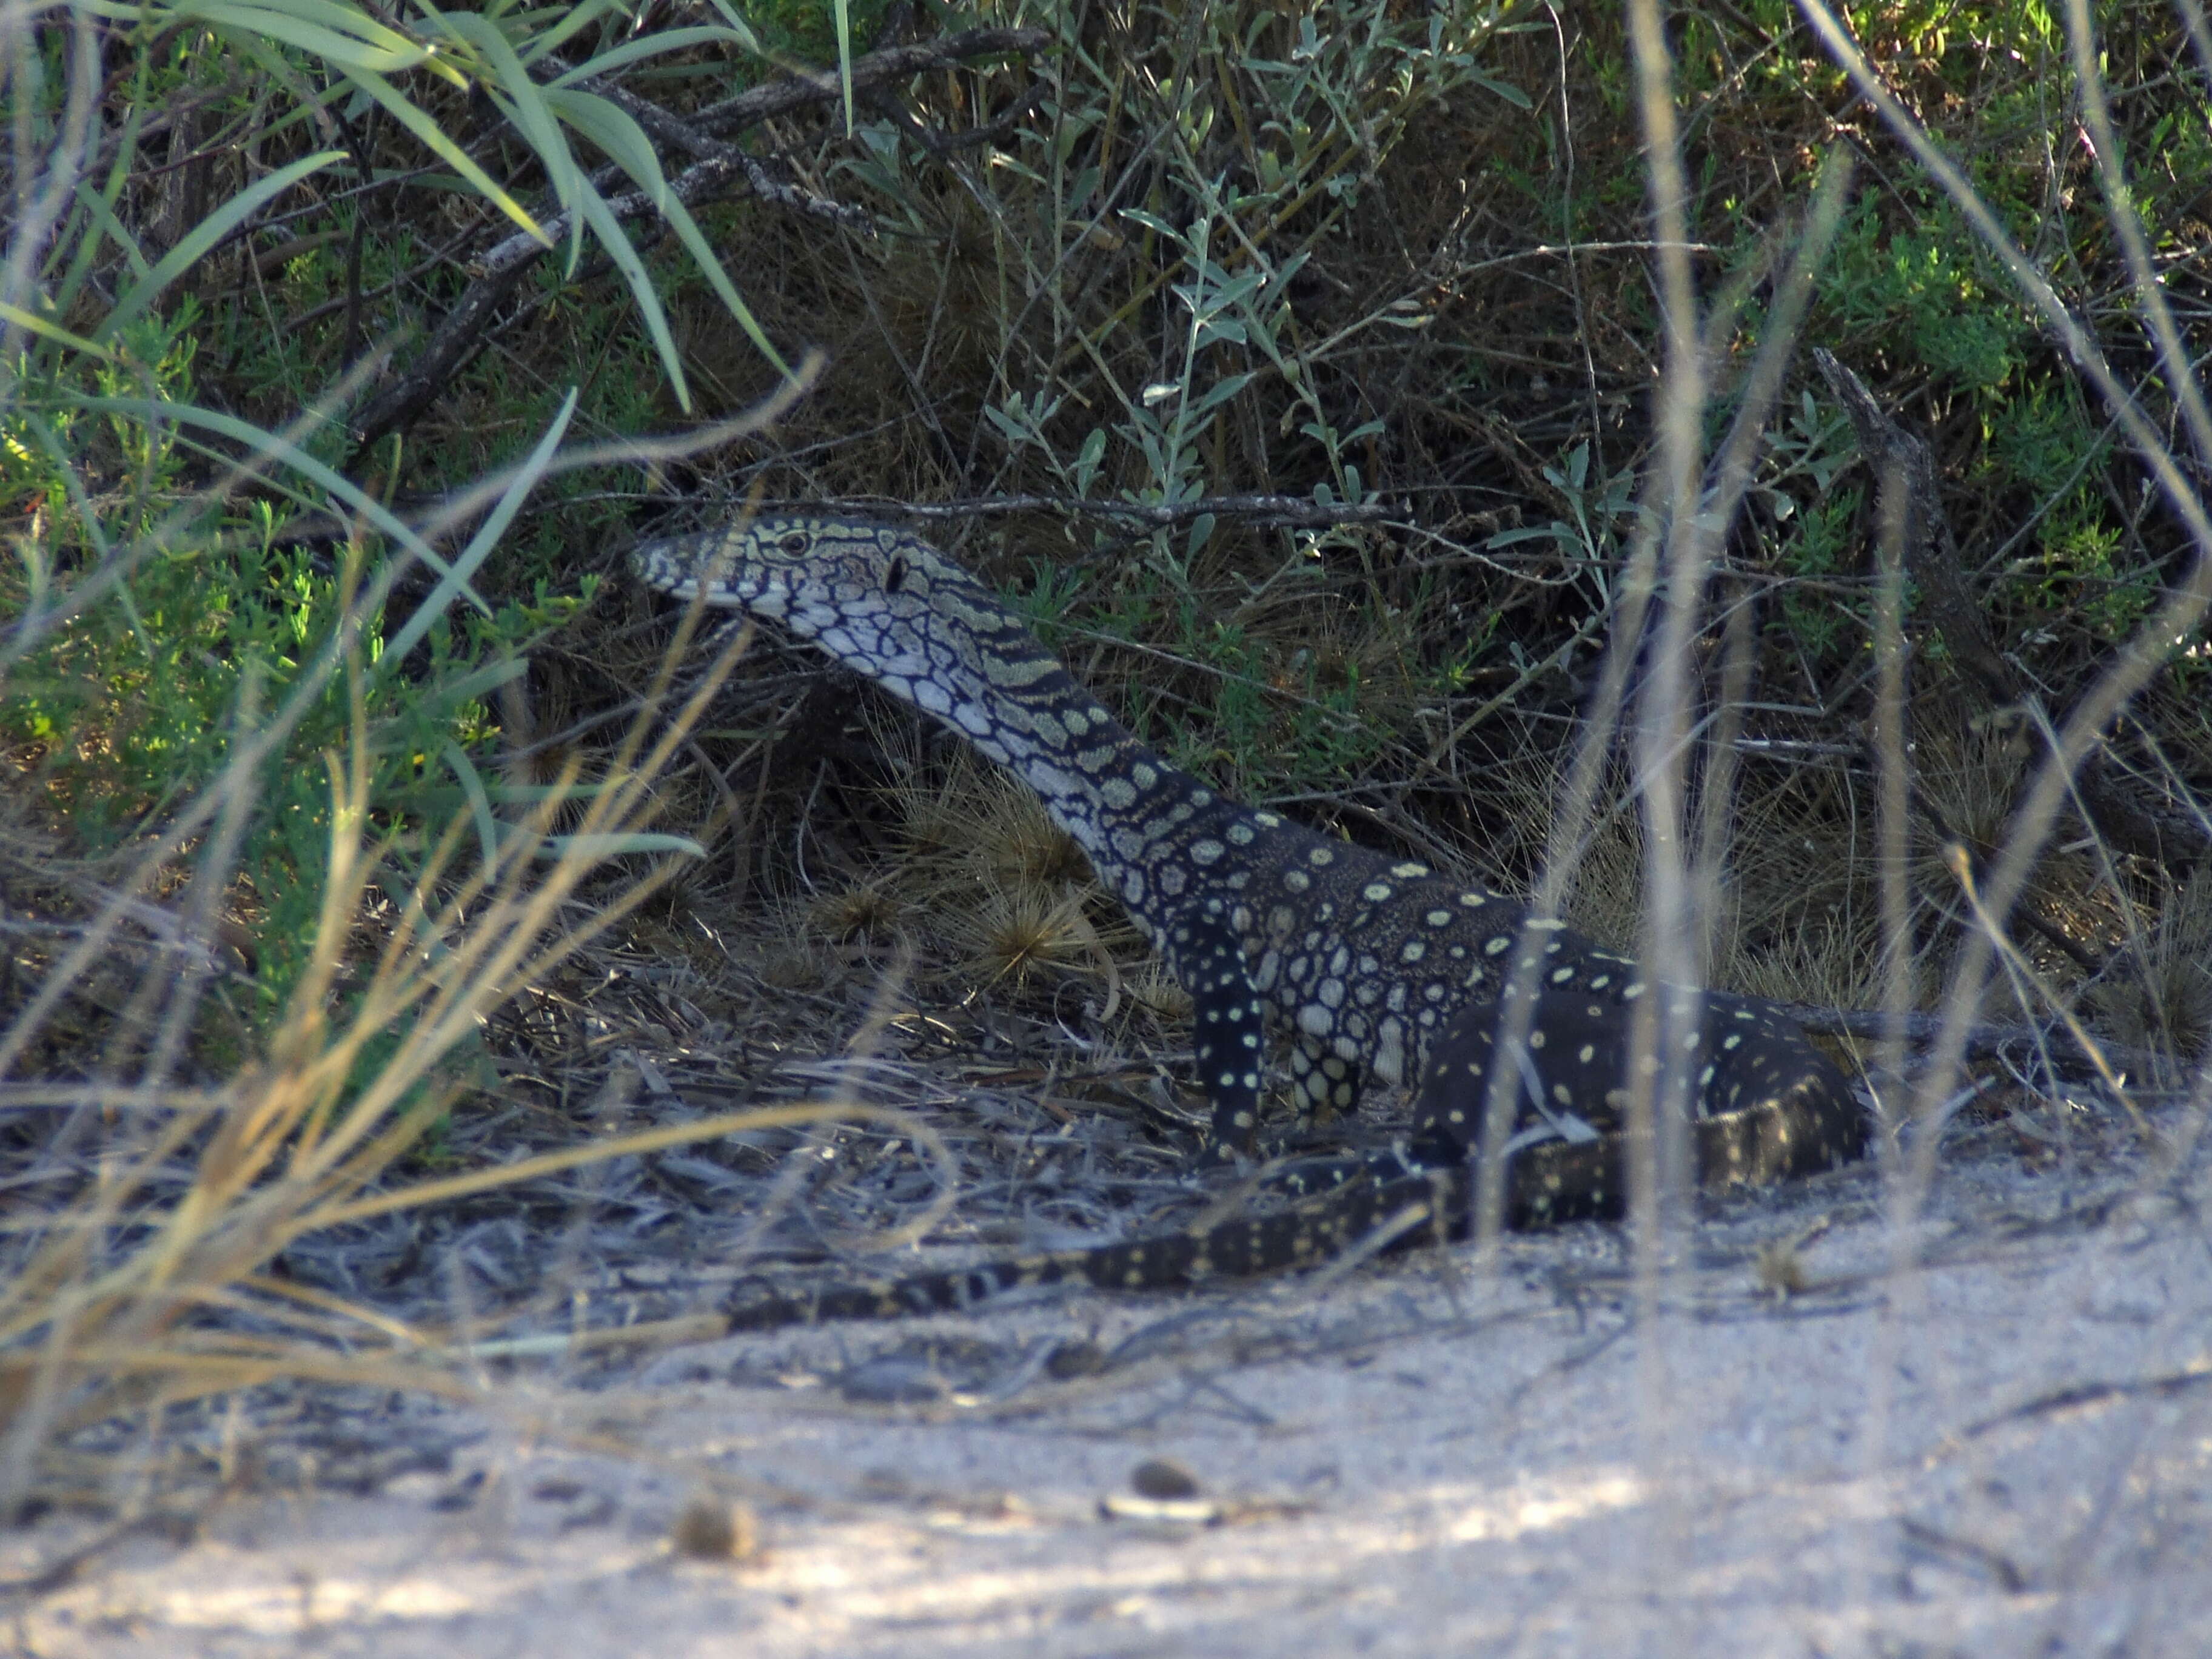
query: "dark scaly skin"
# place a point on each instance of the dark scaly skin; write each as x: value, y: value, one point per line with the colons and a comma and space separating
x: 1377, y: 966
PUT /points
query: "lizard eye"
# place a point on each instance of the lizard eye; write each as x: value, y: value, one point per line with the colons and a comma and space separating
x: 794, y: 543
x: 894, y: 577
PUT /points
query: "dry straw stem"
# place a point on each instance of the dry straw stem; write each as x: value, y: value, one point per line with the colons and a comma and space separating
x: 2129, y: 672
x: 1658, y: 1138
x: 2184, y: 610
x: 1892, y: 783
x: 96, y: 1322
x: 117, y: 1301
x: 1686, y: 507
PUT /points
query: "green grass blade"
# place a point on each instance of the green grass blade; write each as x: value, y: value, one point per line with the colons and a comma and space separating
x: 710, y: 266
x: 476, y: 683
x: 98, y: 208
x: 434, y: 138
x: 608, y: 126
x: 730, y: 16
x: 479, y: 803
x: 618, y: 245
x: 31, y: 322
x: 653, y: 46
x: 608, y: 847
x: 102, y: 209
x: 568, y: 25
x: 438, y: 699
x: 337, y: 35
x: 524, y: 103
x: 509, y: 75
x: 841, y: 9
x: 454, y: 582
x: 442, y: 799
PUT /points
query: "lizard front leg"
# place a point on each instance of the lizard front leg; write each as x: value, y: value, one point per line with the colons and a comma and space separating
x: 1228, y: 1023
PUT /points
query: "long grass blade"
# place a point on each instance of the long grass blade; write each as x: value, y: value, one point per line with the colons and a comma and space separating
x: 454, y: 582
x: 620, y: 250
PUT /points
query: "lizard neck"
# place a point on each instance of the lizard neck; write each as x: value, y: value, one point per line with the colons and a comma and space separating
x: 1114, y: 795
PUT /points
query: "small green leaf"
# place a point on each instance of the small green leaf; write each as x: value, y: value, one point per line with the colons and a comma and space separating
x: 1220, y: 392
x: 1201, y: 532
x: 1154, y: 221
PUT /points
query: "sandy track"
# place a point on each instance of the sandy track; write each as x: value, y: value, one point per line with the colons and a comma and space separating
x: 2009, y: 1451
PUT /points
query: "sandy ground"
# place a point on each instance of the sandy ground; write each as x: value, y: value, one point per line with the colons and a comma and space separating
x: 2008, y: 1450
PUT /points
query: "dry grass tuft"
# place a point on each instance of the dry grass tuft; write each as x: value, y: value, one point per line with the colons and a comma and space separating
x: 866, y: 911
x: 2157, y: 994
x: 146, y: 1281
x: 1967, y: 784
x: 1790, y: 918
x: 1022, y: 846
x: 1152, y: 988
x: 975, y: 824
x: 993, y: 888
x: 1021, y: 935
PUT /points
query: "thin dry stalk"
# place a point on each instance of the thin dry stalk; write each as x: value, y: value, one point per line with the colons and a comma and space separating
x: 2146, y: 650
x: 112, y: 1304
x: 119, y: 1300
x: 1671, y: 947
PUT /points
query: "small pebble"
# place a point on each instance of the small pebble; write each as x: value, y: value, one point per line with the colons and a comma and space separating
x: 1073, y: 1359
x: 1163, y: 1478
x: 714, y: 1529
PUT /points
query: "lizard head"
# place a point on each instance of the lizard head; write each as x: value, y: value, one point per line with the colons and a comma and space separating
x: 878, y: 599
x: 792, y: 567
